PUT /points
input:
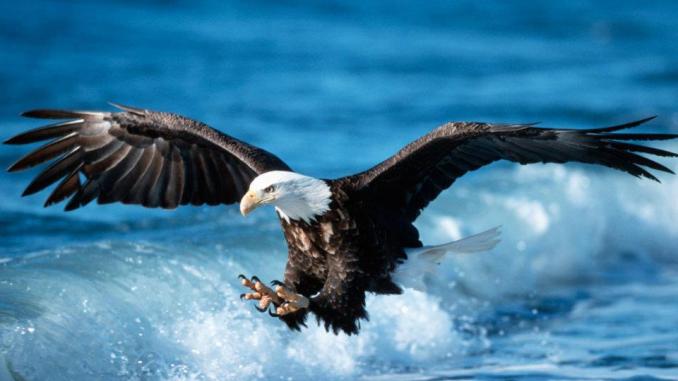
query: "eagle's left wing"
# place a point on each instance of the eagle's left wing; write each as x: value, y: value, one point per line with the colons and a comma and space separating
x: 412, y: 178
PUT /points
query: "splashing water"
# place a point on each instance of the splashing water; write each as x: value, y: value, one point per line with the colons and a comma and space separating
x: 168, y: 308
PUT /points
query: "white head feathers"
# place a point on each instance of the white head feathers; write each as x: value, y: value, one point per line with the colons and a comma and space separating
x: 295, y: 196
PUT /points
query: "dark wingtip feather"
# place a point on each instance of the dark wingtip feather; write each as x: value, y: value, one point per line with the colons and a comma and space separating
x: 55, y: 171
x: 644, y: 149
x: 62, y: 114
x: 12, y: 140
x: 73, y: 204
x: 44, y: 153
x: 14, y: 167
x: 651, y: 177
x: 635, y: 170
x: 640, y: 136
x: 50, y: 131
x: 49, y: 114
x: 69, y: 185
x: 623, y: 126
x: 78, y: 198
x: 30, y: 189
x: 642, y: 160
x: 31, y: 113
x: 23, y: 163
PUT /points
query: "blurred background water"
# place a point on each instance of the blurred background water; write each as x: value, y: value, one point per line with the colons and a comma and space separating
x: 583, y: 286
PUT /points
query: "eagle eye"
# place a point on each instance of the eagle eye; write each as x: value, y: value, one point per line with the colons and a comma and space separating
x: 269, y: 189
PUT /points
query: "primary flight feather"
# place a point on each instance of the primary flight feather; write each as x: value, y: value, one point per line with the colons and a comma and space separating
x: 345, y: 236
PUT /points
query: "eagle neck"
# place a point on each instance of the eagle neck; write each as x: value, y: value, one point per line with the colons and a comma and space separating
x: 308, y: 200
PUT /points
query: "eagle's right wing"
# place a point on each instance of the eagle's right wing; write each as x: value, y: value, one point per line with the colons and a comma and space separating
x: 138, y: 156
x: 409, y: 180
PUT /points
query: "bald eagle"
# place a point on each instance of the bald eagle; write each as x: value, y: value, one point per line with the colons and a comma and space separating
x: 346, y: 236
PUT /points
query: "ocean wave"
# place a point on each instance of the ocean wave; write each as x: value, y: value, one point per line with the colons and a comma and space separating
x: 165, y: 306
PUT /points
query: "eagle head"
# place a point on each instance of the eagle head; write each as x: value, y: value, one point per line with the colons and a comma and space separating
x: 295, y: 196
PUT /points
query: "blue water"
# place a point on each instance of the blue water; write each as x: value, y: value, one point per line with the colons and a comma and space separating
x: 584, y: 284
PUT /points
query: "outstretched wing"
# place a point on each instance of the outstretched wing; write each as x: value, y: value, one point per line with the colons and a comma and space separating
x: 417, y: 174
x: 137, y: 156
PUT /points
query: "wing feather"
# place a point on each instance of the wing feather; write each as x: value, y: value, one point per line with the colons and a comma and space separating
x: 176, y: 182
x: 412, y: 178
x: 643, y: 149
x: 54, y: 172
x: 50, y: 131
x: 137, y: 156
x: 87, y: 194
x: 69, y: 185
x: 190, y: 179
x: 209, y: 177
x: 230, y: 187
x: 47, y: 152
x: 104, y: 163
x: 146, y: 190
x: 110, y: 180
x: 159, y: 188
x: 128, y: 187
x: 200, y: 186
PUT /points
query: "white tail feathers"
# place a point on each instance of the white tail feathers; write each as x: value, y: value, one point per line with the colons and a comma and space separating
x: 424, y: 260
x: 476, y: 243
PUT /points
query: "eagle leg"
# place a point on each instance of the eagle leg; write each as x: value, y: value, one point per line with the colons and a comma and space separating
x: 265, y: 295
x: 293, y: 302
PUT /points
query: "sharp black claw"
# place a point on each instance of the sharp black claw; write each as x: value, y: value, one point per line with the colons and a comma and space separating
x: 255, y: 279
x: 242, y: 277
x: 273, y: 313
x: 277, y: 283
x: 242, y: 296
x: 260, y: 309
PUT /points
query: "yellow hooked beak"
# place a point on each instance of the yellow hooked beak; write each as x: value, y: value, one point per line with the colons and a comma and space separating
x: 249, y: 202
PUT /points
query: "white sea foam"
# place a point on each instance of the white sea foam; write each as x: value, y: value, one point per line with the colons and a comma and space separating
x: 172, y: 312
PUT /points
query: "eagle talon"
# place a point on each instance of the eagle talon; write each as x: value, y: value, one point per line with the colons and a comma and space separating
x: 293, y: 302
x: 265, y: 295
x: 278, y: 301
x: 260, y: 309
x: 246, y: 282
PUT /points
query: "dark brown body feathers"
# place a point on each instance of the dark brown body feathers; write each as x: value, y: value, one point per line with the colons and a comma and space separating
x: 341, y: 255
